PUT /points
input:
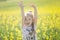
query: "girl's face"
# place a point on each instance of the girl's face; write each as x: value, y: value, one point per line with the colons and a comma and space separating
x: 28, y: 20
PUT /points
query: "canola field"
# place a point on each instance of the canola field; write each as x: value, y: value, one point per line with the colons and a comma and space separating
x: 48, y: 19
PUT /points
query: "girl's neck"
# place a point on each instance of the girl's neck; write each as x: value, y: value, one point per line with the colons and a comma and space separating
x: 27, y: 25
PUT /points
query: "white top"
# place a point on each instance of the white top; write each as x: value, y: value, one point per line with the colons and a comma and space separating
x: 26, y: 30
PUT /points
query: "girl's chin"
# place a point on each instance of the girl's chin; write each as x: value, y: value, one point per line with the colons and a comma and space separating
x: 27, y: 24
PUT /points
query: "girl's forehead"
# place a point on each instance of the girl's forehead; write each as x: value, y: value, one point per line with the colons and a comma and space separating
x: 28, y: 17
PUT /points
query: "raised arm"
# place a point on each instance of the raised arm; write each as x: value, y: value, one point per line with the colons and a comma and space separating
x: 35, y: 12
x: 22, y: 11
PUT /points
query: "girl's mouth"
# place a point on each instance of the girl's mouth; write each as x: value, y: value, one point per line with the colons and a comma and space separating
x: 27, y: 23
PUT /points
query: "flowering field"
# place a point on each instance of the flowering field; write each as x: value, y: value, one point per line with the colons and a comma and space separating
x: 48, y: 19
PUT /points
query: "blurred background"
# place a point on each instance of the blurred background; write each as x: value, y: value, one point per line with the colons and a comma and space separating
x: 48, y: 21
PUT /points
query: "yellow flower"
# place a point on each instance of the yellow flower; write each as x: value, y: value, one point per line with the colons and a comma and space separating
x: 5, y: 37
x: 11, y: 39
x: 38, y: 30
x: 47, y: 37
x: 17, y: 30
x: 18, y: 38
x: 44, y: 28
x: 11, y: 35
x: 50, y: 37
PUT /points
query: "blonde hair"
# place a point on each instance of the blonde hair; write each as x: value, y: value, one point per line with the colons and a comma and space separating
x: 31, y: 15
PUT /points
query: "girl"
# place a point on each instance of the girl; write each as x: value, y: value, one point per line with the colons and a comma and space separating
x: 28, y: 23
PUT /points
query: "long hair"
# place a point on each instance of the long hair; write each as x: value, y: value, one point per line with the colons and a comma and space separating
x: 32, y: 26
x: 30, y: 14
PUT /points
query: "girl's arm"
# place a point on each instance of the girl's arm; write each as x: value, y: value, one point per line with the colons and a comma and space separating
x: 35, y: 13
x: 22, y: 11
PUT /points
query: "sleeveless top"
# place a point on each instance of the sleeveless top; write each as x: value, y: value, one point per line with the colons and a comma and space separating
x: 25, y: 32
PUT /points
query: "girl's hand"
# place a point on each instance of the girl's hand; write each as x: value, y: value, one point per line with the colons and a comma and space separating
x: 32, y: 5
x: 21, y: 4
